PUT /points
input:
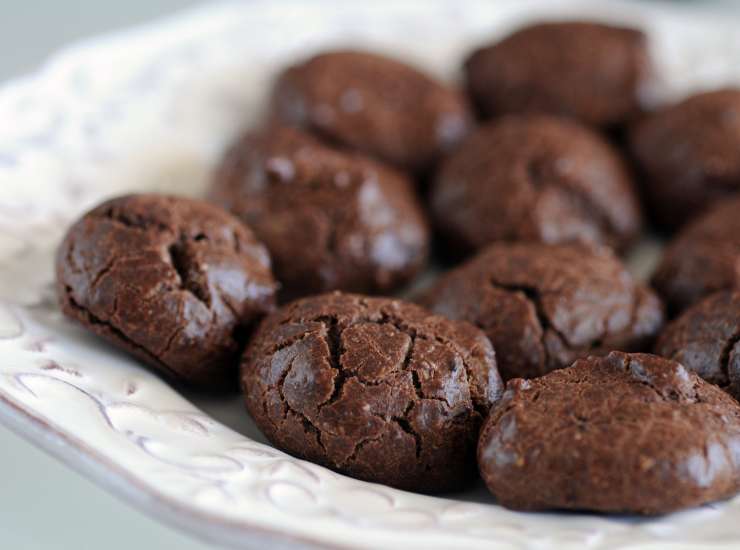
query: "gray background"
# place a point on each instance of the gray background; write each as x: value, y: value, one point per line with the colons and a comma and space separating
x: 43, y: 504
x: 31, y: 29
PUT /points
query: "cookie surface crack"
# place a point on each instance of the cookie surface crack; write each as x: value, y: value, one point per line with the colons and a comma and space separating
x: 171, y: 340
x: 638, y: 375
x: 542, y: 174
x: 140, y: 223
x: 181, y: 262
x: 724, y: 358
x: 405, y: 425
x: 308, y: 425
x: 333, y: 338
x: 358, y: 447
x: 114, y: 331
x: 103, y: 272
x: 534, y: 297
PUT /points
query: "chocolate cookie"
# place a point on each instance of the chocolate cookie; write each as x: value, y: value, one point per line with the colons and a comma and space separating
x: 375, y: 388
x: 331, y: 219
x: 543, y: 306
x: 689, y: 155
x: 537, y: 178
x: 176, y: 282
x: 588, y: 71
x: 373, y: 104
x: 703, y: 258
x: 706, y: 340
x: 626, y: 433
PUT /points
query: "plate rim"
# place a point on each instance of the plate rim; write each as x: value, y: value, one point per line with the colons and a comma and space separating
x: 116, y: 481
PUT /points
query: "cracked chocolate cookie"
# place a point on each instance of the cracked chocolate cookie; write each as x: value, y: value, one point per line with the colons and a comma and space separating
x: 176, y: 282
x: 373, y: 104
x: 688, y: 154
x: 588, y: 71
x: 536, y: 178
x: 331, y: 219
x: 543, y: 306
x: 706, y: 340
x: 703, y: 258
x: 375, y: 388
x: 625, y: 433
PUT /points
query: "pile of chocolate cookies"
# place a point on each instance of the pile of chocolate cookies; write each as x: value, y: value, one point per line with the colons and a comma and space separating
x: 529, y: 361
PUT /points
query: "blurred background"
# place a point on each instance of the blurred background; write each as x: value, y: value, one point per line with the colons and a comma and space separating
x: 32, y: 29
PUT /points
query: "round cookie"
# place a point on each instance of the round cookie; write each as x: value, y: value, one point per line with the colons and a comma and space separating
x: 373, y: 104
x: 703, y: 258
x: 706, y: 340
x: 543, y: 306
x: 588, y: 71
x: 538, y: 178
x: 176, y: 282
x: 331, y: 219
x: 375, y: 388
x: 688, y: 154
x: 625, y: 433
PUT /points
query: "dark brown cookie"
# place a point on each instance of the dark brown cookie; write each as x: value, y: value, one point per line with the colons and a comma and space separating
x: 625, y: 433
x: 176, y: 282
x: 588, y: 71
x: 538, y: 178
x: 331, y: 219
x: 706, y: 340
x: 703, y: 258
x: 543, y: 306
x: 688, y: 154
x: 375, y: 388
x: 373, y: 104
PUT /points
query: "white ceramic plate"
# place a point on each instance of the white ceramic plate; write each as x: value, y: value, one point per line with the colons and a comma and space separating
x: 152, y: 109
